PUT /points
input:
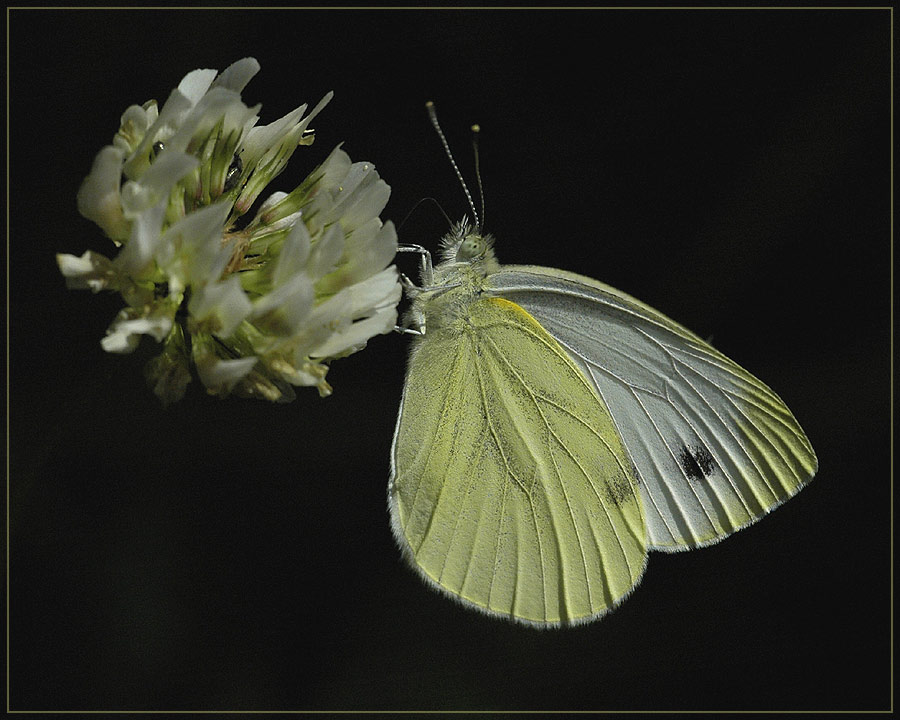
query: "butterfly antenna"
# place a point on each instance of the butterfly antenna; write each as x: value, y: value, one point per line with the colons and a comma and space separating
x: 475, y: 130
x: 432, y: 113
x: 415, y: 207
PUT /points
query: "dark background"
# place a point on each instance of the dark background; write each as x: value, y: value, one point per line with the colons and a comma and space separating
x: 730, y: 168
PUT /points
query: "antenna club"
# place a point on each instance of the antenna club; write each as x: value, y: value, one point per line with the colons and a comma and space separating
x: 476, y: 128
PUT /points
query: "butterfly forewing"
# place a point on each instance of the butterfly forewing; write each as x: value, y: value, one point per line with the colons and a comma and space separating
x: 714, y: 448
x: 510, y: 487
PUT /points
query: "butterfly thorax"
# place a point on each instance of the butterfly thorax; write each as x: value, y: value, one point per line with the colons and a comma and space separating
x: 458, y: 281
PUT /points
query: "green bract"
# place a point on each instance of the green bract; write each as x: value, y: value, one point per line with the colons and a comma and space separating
x: 254, y: 306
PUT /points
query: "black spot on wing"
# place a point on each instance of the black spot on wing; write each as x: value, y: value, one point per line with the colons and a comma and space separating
x: 696, y: 462
x: 620, y: 489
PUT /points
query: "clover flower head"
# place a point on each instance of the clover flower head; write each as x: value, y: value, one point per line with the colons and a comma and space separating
x: 253, y: 306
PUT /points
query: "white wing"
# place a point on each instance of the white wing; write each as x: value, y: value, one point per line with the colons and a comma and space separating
x: 715, y: 449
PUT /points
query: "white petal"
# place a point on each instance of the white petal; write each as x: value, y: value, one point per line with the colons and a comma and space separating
x: 361, y: 299
x: 133, y: 126
x: 121, y: 342
x: 343, y: 194
x: 123, y: 335
x: 367, y: 250
x: 297, y: 376
x: 91, y: 270
x: 377, y: 291
x: 368, y: 204
x: 157, y: 182
x: 176, y: 106
x: 98, y: 197
x: 357, y: 175
x: 375, y: 252
x: 73, y: 266
x: 353, y: 337
x: 238, y: 74
x: 170, y: 116
x: 191, y: 250
x: 143, y: 243
x: 317, y: 109
x: 288, y: 221
x: 335, y: 168
x: 273, y: 199
x: 294, y: 254
x: 357, y: 197
x: 284, y: 310
x: 270, y: 217
x: 195, y: 84
x: 137, y: 116
x: 263, y: 137
x: 217, y: 103
x: 384, y: 246
x: 376, y: 297
x: 225, y: 300
x: 326, y: 253
x: 221, y: 375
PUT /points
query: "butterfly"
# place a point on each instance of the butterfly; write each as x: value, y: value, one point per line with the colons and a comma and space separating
x: 554, y: 430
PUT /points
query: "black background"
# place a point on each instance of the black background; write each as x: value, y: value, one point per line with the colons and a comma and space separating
x: 729, y: 167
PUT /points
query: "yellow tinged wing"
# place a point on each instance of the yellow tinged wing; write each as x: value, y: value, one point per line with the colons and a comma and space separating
x: 510, y: 487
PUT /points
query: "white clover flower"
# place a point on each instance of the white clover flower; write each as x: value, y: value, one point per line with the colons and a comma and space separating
x: 253, y: 306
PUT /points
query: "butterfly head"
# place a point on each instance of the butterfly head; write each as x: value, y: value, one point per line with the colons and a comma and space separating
x: 466, y: 243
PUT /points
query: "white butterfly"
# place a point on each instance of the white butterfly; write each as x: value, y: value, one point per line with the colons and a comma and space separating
x: 553, y: 430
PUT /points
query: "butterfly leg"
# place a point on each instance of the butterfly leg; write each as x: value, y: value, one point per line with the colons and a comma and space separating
x: 409, y: 331
x: 427, y: 270
x: 413, y: 320
x: 412, y: 290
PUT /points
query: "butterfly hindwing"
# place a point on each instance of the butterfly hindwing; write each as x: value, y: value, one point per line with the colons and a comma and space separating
x: 510, y: 488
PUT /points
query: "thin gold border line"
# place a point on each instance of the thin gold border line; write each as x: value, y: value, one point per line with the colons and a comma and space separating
x: 7, y: 359
x: 453, y: 712
x: 456, y: 7
x: 891, y: 244
x: 9, y: 10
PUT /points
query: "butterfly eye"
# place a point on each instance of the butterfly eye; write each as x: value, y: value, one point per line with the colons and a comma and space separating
x: 471, y: 247
x: 156, y: 149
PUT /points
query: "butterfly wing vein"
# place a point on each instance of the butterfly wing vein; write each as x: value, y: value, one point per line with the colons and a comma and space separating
x: 714, y: 447
x: 510, y: 488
